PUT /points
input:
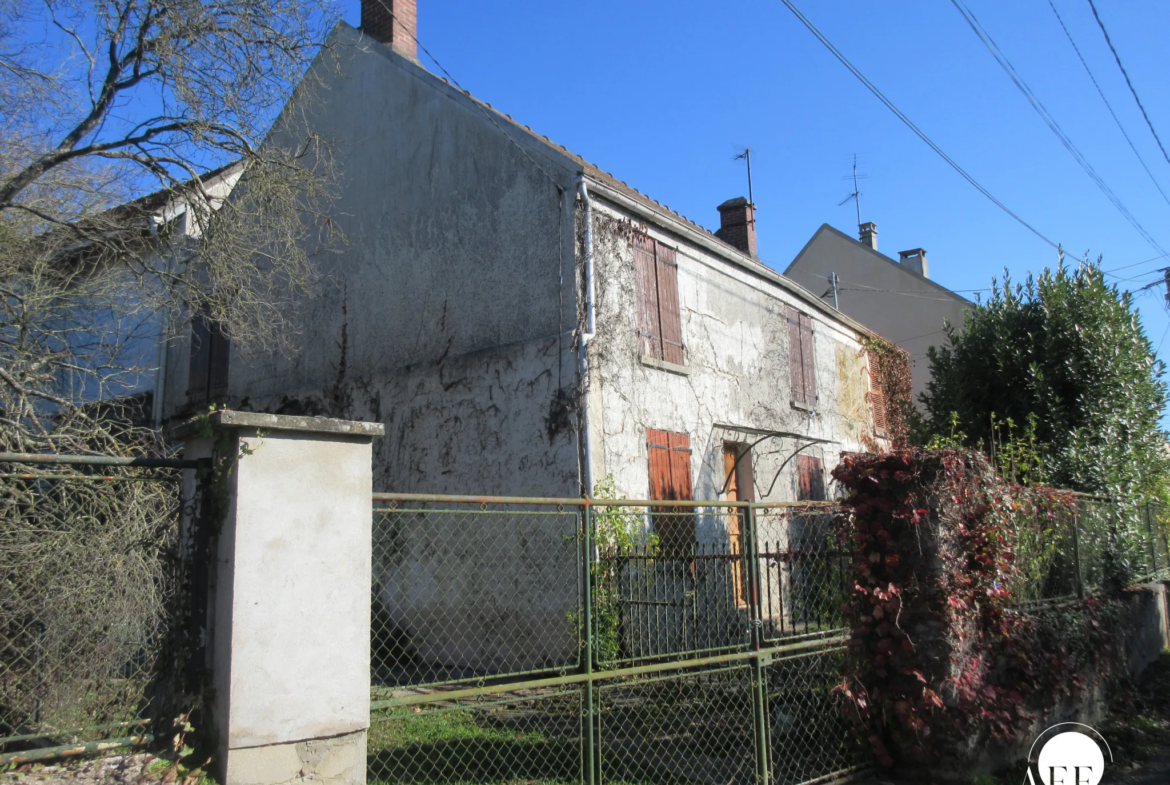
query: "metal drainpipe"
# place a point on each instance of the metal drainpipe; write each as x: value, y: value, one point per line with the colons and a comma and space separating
x: 587, y: 336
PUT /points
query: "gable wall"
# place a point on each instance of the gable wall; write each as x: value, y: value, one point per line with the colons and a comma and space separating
x: 448, y: 312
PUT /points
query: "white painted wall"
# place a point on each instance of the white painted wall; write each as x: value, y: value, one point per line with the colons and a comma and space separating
x: 737, y: 385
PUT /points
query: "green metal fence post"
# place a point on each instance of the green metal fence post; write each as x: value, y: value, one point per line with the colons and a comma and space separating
x: 759, y: 690
x: 586, y: 656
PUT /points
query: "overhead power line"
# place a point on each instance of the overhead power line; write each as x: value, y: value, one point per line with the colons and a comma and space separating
x: 909, y: 123
x: 1135, y: 264
x: 1051, y: 122
x: 1125, y: 73
x: 1108, y: 106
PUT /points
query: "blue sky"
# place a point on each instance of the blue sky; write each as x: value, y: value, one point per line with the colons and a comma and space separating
x: 661, y: 94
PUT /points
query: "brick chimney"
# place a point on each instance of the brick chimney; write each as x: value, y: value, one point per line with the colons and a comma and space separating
x: 393, y: 22
x: 737, y: 219
x: 868, y: 234
x: 915, y: 259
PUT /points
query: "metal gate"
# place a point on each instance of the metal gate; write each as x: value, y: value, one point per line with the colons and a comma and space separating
x: 554, y: 640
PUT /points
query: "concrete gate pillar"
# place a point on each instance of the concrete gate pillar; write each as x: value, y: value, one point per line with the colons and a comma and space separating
x: 289, y: 595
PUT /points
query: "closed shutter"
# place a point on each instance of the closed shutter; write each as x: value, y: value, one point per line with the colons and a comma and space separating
x: 877, y: 395
x: 810, y: 484
x: 807, y: 360
x: 670, y: 478
x: 668, y: 305
x: 197, y: 376
x: 649, y: 328
x: 658, y: 452
x: 795, y: 365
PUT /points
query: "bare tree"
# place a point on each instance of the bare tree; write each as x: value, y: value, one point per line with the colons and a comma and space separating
x: 103, y: 100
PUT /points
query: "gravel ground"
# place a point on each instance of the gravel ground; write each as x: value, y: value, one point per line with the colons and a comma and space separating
x: 137, y: 769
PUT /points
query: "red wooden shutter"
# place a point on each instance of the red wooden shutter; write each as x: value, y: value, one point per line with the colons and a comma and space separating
x: 649, y: 329
x: 807, y: 360
x: 670, y: 478
x: 680, y: 466
x: 197, y: 391
x: 877, y: 395
x: 668, y: 305
x: 795, y: 365
x: 810, y: 479
x: 658, y: 453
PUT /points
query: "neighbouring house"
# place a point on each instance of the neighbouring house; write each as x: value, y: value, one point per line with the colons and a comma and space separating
x: 525, y: 324
x: 895, y: 299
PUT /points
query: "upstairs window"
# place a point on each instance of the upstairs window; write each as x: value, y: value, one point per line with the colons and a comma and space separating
x: 207, y: 381
x: 659, y: 318
x: 877, y: 395
x: 669, y: 457
x: 801, y: 365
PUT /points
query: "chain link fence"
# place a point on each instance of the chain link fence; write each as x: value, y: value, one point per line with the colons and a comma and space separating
x: 1081, y: 545
x: 559, y: 640
x: 93, y: 591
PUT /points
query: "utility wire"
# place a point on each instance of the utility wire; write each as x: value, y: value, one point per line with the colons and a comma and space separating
x: 1050, y: 121
x: 1135, y: 264
x: 1108, y: 106
x: 1125, y: 73
x: 909, y: 123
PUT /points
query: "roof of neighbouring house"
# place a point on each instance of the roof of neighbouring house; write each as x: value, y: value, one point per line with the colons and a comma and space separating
x: 876, y: 257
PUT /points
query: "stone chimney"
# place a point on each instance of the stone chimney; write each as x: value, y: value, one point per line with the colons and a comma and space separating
x: 915, y: 259
x: 394, y: 23
x: 867, y: 233
x: 737, y: 219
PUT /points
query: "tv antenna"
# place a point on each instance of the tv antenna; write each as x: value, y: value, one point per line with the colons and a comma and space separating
x: 746, y: 155
x: 856, y: 195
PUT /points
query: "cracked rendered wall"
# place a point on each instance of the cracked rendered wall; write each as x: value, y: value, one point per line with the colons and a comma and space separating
x: 448, y: 312
x: 736, y: 388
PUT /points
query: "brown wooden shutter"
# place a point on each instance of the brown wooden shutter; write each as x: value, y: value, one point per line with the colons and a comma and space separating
x: 810, y: 479
x: 807, y: 360
x: 877, y: 395
x: 670, y: 478
x: 658, y: 454
x: 795, y: 365
x: 670, y: 316
x: 680, y: 466
x: 197, y: 376
x: 649, y: 328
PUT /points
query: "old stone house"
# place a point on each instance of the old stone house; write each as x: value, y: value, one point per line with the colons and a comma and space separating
x: 525, y: 324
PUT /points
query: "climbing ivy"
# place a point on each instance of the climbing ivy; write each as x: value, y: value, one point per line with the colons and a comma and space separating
x: 894, y: 377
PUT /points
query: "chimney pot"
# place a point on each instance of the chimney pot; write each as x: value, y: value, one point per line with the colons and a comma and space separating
x: 737, y: 219
x: 394, y: 23
x: 915, y: 259
x: 868, y: 233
